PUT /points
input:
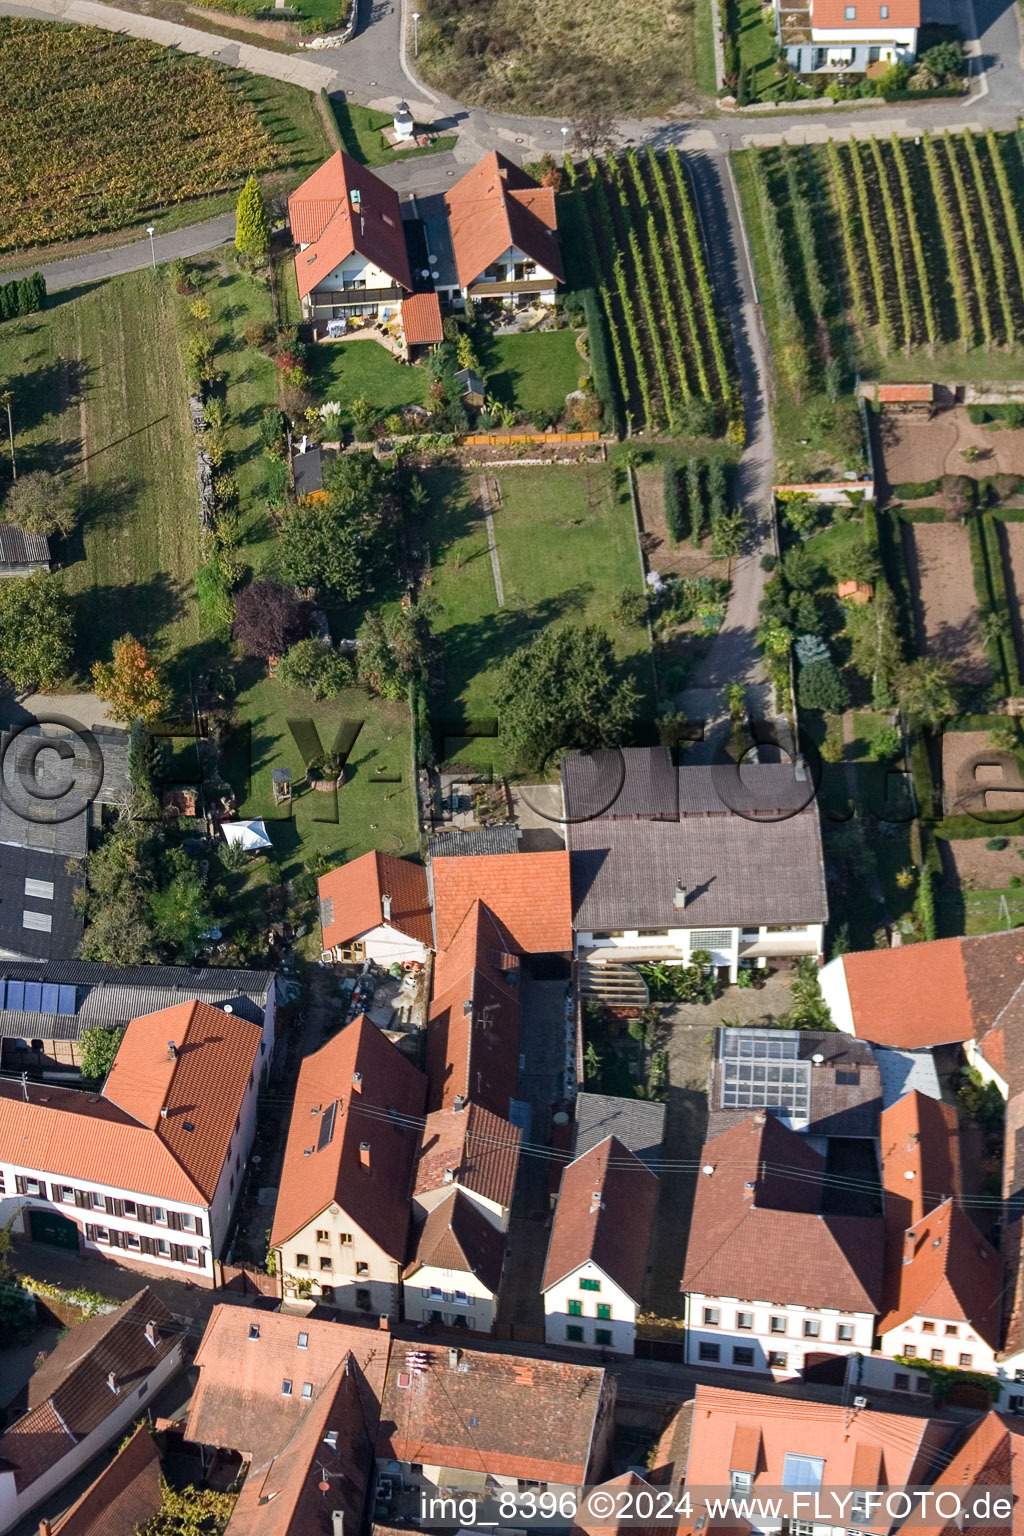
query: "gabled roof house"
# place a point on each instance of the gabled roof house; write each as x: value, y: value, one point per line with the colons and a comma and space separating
x: 504, y: 232
x: 376, y: 908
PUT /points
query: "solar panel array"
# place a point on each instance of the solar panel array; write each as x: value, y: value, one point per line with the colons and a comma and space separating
x: 37, y: 997
x: 761, y: 1070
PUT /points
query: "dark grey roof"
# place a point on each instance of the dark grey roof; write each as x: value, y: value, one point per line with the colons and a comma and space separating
x: 638, y: 1124
x: 42, y: 791
x: 18, y: 547
x: 845, y: 1097
x: 643, y: 783
x: 36, y: 915
x: 466, y: 842
x: 109, y: 997
x: 471, y: 382
x: 740, y: 866
x: 308, y: 469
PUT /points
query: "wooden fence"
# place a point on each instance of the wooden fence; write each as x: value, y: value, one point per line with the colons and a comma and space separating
x: 504, y: 439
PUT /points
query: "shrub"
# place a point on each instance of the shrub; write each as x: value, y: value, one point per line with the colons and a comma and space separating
x: 317, y: 667
x: 821, y: 686
x: 886, y: 744
x: 213, y: 593
x: 673, y: 503
x: 259, y: 333
x: 631, y: 608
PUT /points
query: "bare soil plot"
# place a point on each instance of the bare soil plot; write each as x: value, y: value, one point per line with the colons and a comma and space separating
x: 974, y: 775
x: 914, y: 448
x: 945, y: 607
x: 967, y: 864
x: 663, y: 555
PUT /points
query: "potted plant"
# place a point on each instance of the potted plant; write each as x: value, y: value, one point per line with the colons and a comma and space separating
x: 324, y: 773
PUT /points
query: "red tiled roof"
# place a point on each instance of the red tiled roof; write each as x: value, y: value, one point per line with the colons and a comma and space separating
x: 605, y: 1213
x: 324, y: 219
x: 421, y: 319
x: 494, y: 207
x: 908, y: 1446
x: 283, y: 1497
x: 354, y: 892
x: 758, y: 1208
x: 497, y: 1414
x: 528, y: 893
x: 990, y: 1454
x: 120, y: 1136
x: 949, y: 1272
x: 588, y: 1524
x: 69, y: 1395
x: 829, y: 15
x: 920, y: 1147
x: 891, y: 394
x: 959, y: 989
x: 202, y: 1089
x: 480, y: 1148
x: 473, y: 1023
x: 126, y: 1494
x: 458, y: 1236
x: 331, y: 1116
x: 238, y: 1404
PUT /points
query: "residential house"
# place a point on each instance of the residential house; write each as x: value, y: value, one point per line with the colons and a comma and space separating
x: 45, y: 1007
x: 528, y: 894
x: 624, y: 1490
x: 667, y: 860
x: 88, y: 1391
x: 262, y: 1374
x: 38, y: 918
x: 842, y: 38
x: 148, y: 1169
x: 352, y: 262
x: 341, y: 1221
x: 317, y: 1482
x: 459, y: 1418
x: 454, y: 1275
x: 504, y: 232
x: 984, y: 1457
x: 822, y: 1084
x: 747, y: 1444
x: 761, y: 1199
x: 470, y: 1149
x: 638, y: 1123
x: 596, y: 1265
x: 124, y: 1497
x: 376, y: 908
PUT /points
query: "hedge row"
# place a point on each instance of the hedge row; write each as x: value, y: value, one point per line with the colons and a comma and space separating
x: 22, y: 296
x: 674, y: 514
x: 983, y: 594
x: 600, y: 366
x: 1000, y: 602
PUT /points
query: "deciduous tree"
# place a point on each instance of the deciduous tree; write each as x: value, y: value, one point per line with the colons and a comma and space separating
x: 563, y: 690
x: 35, y: 630
x: 42, y: 502
x: 130, y: 684
x: 340, y: 546
x: 925, y: 688
x: 96, y: 1051
x: 269, y: 617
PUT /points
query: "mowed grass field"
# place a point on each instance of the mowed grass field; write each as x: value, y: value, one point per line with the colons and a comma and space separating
x: 99, y: 390
x: 368, y: 812
x: 566, y: 549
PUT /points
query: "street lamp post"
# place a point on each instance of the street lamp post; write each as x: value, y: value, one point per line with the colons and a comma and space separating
x: 151, y: 231
x: 565, y: 137
x: 415, y: 34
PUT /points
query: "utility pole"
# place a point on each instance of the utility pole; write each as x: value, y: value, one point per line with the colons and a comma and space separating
x: 6, y: 398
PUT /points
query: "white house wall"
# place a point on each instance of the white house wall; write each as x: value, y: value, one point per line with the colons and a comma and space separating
x: 911, y: 1337
x: 387, y: 946
x: 496, y: 1214
x: 794, y: 1344
x: 984, y: 1068
x: 621, y: 1325
x: 376, y: 1291
x: 14, y: 1506
x: 452, y: 1293
x: 232, y: 1175
x: 832, y: 980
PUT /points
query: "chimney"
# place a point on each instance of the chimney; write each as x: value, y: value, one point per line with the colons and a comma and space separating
x: 458, y: 1104
x: 385, y: 902
x: 152, y: 1333
x: 163, y: 1111
x: 364, y: 1154
x: 338, y: 1522
x: 595, y: 1201
x: 453, y: 1359
x: 45, y: 1528
x: 449, y: 1175
x: 357, y: 1080
x: 112, y: 1381
x: 331, y: 1439
x: 679, y: 897
x: 172, y: 1050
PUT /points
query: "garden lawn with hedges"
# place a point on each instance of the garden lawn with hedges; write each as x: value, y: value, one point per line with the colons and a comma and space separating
x: 133, y: 128
x: 534, y: 372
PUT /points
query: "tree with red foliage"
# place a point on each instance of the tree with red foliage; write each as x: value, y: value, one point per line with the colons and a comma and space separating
x: 269, y: 617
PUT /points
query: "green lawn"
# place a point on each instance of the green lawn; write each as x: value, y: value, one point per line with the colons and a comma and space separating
x: 360, y: 132
x: 534, y: 373
x: 370, y: 814
x: 99, y: 389
x: 348, y: 370
x: 704, y: 47
x: 566, y: 548
x: 756, y: 46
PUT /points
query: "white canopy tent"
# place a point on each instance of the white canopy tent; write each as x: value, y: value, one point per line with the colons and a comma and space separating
x: 250, y: 834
